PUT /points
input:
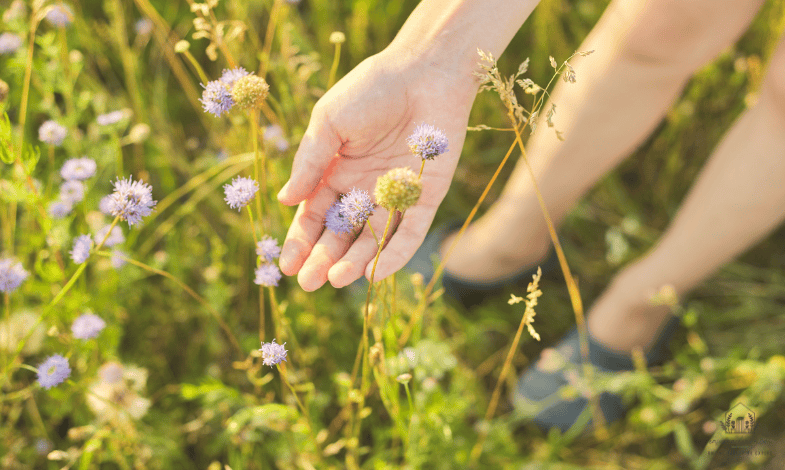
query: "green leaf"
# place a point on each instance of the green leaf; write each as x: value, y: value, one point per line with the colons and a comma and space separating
x: 30, y: 158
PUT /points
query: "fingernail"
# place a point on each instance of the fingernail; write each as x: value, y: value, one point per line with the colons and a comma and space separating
x: 282, y: 192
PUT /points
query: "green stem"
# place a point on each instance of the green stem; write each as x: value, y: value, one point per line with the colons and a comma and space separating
x: 199, y: 70
x: 303, y: 409
x: 334, y: 68
x: 258, y: 163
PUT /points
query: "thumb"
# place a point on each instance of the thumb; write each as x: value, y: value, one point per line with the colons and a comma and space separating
x: 317, y: 148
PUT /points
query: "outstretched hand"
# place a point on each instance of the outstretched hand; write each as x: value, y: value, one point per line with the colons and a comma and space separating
x: 357, y: 133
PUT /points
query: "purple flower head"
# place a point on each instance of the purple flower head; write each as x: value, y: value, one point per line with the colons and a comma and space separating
x: 268, y: 248
x: 59, y: 209
x: 229, y: 76
x: 117, y: 259
x: 87, y: 326
x: 104, y: 205
x: 78, y: 169
x: 335, y: 221
x: 216, y: 98
x: 267, y: 275
x: 72, y: 192
x: 143, y: 27
x: 60, y: 15
x: 9, y: 43
x: 240, y: 192
x: 111, y: 372
x: 81, y: 250
x: 111, y: 118
x: 115, y: 238
x: 356, y: 206
x: 52, y: 133
x: 273, y: 353
x: 131, y: 200
x: 12, y: 274
x: 427, y: 142
x: 54, y: 370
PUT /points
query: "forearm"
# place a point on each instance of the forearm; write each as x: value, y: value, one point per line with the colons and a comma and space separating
x: 449, y: 32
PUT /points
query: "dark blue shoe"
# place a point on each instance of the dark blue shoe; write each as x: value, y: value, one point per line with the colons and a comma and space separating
x: 540, y: 390
x: 466, y: 294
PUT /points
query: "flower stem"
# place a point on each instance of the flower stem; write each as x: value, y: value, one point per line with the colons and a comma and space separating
x: 268, y: 38
x: 303, y: 409
x: 422, y: 167
x: 261, y: 289
x: 334, y: 68
x: 253, y: 226
x: 258, y: 163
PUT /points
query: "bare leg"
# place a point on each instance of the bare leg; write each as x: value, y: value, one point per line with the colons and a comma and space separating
x: 738, y: 198
x: 645, y: 53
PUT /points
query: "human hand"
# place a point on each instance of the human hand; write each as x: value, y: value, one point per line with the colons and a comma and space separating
x: 357, y: 133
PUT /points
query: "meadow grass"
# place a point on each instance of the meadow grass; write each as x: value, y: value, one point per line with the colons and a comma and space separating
x: 176, y: 378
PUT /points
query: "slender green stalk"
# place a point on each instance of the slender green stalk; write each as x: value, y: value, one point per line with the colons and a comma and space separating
x: 197, y: 67
x: 334, y: 67
x: 422, y: 167
x: 258, y: 163
x: 253, y: 226
x: 261, y: 289
x: 268, y: 38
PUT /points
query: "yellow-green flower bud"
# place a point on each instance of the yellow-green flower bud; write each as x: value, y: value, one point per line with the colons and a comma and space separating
x: 3, y: 91
x: 250, y: 91
x: 398, y: 189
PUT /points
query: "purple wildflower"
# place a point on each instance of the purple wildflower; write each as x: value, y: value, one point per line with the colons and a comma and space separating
x: 240, y: 192
x: 267, y: 275
x: 104, y: 205
x: 143, y: 27
x: 87, y: 326
x: 52, y: 133
x: 273, y: 353
x: 427, y: 142
x: 81, y: 250
x: 78, y: 169
x: 356, y: 206
x: 335, y: 221
x: 131, y: 200
x: 11, y: 275
x: 216, y: 98
x: 117, y: 259
x: 60, y: 15
x: 268, y: 248
x: 72, y: 192
x: 113, y: 117
x: 230, y: 76
x: 59, y: 209
x: 54, y: 370
x: 9, y: 43
x: 115, y: 238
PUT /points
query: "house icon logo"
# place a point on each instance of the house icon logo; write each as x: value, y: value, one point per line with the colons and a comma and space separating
x: 739, y: 420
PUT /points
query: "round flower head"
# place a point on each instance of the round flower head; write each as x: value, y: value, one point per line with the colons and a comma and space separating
x: 268, y: 248
x: 216, y: 98
x: 52, y: 133
x: 87, y: 326
x: 78, y: 169
x: 104, y: 205
x: 356, y: 206
x: 115, y: 238
x: 54, y: 370
x: 11, y: 275
x: 81, y: 250
x: 143, y: 27
x: 427, y: 142
x: 229, y: 76
x: 9, y: 43
x: 398, y: 189
x: 240, y: 192
x: 59, y: 209
x: 273, y: 353
x: 60, y: 15
x: 336, y: 221
x: 267, y: 275
x: 117, y: 259
x: 72, y: 192
x: 250, y: 91
x: 111, y: 118
x: 131, y: 200
x: 337, y: 37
